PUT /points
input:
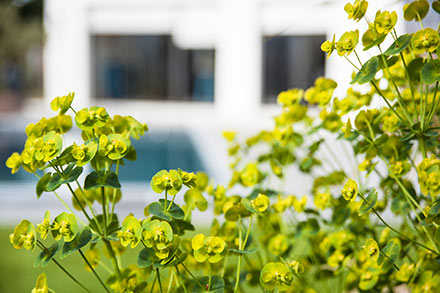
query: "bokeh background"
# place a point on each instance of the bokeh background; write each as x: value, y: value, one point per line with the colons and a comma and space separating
x: 188, y: 68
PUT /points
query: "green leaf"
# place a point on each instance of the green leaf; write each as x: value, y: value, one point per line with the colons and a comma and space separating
x: 435, y: 208
x: 145, y: 258
x: 70, y: 175
x: 376, y: 42
x: 399, y: 45
x: 46, y: 255
x: 407, y: 136
x: 371, y: 199
x: 180, y: 226
x: 81, y: 240
x: 368, y: 284
x: 367, y: 72
x: 95, y: 180
x: 42, y: 184
x: 437, y: 235
x: 431, y: 72
x: 391, y: 250
x: 390, y: 61
x: 156, y: 209
x: 73, y: 175
x: 217, y: 285
x: 414, y: 68
x: 174, y: 211
x: 248, y: 205
x: 436, y: 6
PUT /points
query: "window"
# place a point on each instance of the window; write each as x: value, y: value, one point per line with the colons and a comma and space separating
x: 11, y: 142
x: 161, y: 150
x: 291, y: 61
x: 150, y: 67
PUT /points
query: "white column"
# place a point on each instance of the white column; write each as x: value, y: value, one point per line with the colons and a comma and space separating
x: 238, y: 60
x: 67, y: 51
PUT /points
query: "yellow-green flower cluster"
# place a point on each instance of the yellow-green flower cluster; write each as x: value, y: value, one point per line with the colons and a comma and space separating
x: 211, y: 248
x: 347, y: 43
x: 278, y: 244
x: 64, y: 226
x: 425, y: 40
x: 44, y: 227
x: 372, y: 248
x: 41, y: 284
x: 113, y: 146
x: 158, y: 235
x: 24, y: 236
x: 429, y: 176
x: 290, y: 97
x: 385, y: 21
x: 261, y: 203
x: 276, y: 275
x: 322, y: 200
x: 169, y: 181
x: 356, y: 10
x: 87, y: 119
x: 350, y: 190
x: 131, y: 232
x: 62, y: 103
x: 37, y: 152
x: 322, y: 92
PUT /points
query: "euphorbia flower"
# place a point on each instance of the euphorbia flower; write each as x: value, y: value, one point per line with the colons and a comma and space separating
x: 211, y: 248
x: 64, y: 226
x: 23, y: 236
x: 276, y: 275
x: 356, y: 10
x: 131, y: 232
x: 350, y: 190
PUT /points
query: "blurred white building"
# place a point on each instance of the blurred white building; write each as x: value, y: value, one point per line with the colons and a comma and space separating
x: 189, y: 68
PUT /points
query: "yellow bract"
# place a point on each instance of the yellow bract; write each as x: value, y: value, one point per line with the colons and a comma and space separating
x: 350, y: 190
x: 347, y: 43
x: 261, y: 203
x: 356, y: 10
x: 385, y: 21
x: 425, y: 40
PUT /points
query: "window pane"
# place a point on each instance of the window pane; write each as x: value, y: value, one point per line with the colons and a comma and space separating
x: 291, y: 61
x: 161, y: 150
x: 150, y: 68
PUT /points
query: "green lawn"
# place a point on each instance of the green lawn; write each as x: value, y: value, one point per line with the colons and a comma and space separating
x: 19, y: 275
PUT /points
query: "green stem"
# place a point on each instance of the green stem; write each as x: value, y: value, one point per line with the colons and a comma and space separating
x: 394, y: 265
x: 113, y: 258
x: 210, y: 276
x: 434, y: 106
x: 170, y: 283
x: 79, y: 203
x: 357, y: 68
x: 104, y: 214
x: 237, y: 277
x: 114, y: 193
x: 42, y: 247
x: 93, y: 270
x: 396, y: 89
x: 69, y: 209
x: 179, y: 275
x: 158, y: 279
x: 396, y: 231
x: 171, y: 203
x: 191, y: 274
x: 409, y: 82
x: 247, y: 232
x: 166, y: 201
x: 386, y: 101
